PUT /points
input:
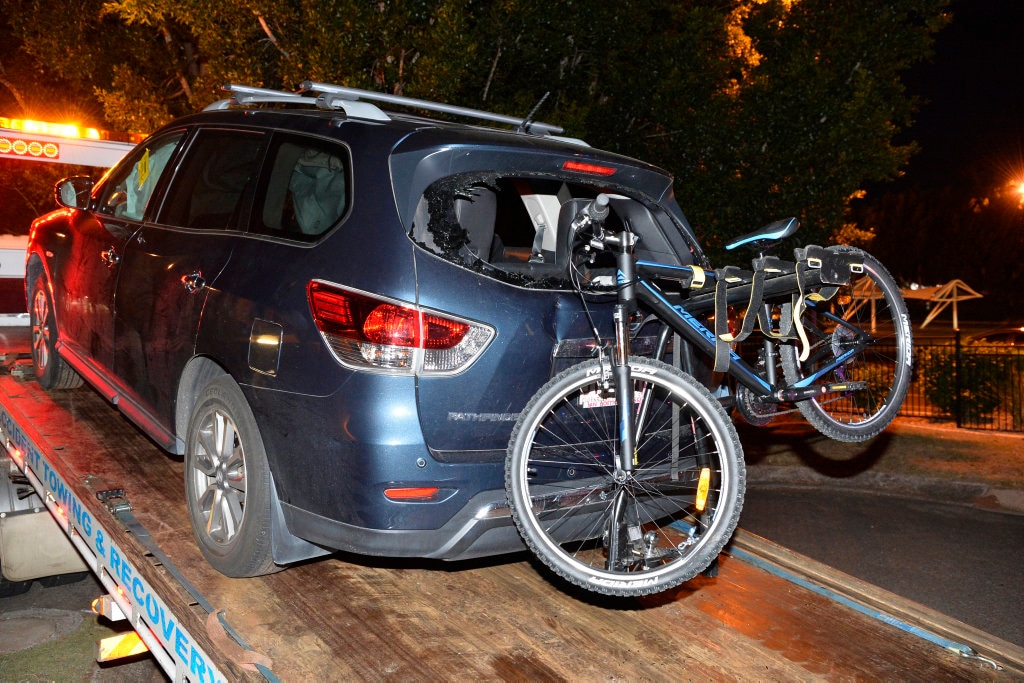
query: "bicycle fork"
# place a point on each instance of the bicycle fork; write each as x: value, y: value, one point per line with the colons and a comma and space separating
x: 627, y: 545
x: 625, y: 279
x: 623, y: 534
x: 623, y: 379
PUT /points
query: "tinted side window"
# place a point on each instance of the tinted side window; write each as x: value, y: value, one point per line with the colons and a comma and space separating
x: 304, y: 190
x: 129, y: 189
x: 215, y: 182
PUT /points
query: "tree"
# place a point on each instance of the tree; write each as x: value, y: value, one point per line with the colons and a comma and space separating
x: 813, y: 115
x: 761, y: 108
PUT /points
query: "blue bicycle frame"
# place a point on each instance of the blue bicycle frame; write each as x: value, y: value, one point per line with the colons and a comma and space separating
x: 636, y: 281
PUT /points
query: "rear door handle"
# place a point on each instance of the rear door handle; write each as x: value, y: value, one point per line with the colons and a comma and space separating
x: 193, y: 282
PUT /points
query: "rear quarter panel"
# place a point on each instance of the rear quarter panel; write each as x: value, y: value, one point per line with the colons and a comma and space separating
x: 470, y: 416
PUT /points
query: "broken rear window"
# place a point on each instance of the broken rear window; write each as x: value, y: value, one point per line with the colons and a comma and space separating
x: 517, y: 229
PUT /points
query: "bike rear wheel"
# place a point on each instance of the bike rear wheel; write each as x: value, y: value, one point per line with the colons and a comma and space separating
x: 870, y: 311
x: 620, y: 533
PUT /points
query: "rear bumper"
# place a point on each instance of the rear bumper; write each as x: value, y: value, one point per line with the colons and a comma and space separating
x: 481, y: 528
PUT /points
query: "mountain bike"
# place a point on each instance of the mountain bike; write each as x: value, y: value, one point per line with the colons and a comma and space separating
x: 624, y: 474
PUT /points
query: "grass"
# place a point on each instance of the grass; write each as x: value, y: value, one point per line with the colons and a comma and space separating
x: 72, y: 658
x: 54, y: 660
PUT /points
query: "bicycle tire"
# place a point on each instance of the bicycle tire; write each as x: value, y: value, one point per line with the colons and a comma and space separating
x: 561, y: 485
x: 871, y: 304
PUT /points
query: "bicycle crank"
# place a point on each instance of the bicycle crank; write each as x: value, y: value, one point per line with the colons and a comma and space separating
x: 804, y: 393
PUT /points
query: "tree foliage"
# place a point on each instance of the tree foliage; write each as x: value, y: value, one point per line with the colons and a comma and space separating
x: 760, y: 108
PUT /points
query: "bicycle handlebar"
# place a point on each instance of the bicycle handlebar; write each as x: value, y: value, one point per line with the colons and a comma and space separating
x: 597, y: 210
x: 594, y: 214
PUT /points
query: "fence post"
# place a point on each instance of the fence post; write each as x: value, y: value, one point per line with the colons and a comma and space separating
x: 957, y: 382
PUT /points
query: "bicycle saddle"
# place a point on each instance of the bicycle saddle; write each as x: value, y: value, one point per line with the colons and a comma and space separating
x: 759, y: 239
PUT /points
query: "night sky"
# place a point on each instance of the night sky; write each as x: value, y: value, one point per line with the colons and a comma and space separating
x: 974, y: 121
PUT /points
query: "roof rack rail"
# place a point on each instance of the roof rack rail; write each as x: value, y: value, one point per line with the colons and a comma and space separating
x: 357, y: 94
x: 245, y: 93
x: 248, y: 94
x: 357, y: 104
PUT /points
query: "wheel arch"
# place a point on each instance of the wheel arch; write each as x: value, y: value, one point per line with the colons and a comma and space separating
x: 199, y: 372
x: 35, y: 266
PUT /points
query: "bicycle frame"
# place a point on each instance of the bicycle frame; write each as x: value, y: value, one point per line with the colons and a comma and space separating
x: 679, y: 318
x: 635, y: 281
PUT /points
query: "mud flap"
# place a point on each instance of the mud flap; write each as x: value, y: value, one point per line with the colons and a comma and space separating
x: 33, y: 546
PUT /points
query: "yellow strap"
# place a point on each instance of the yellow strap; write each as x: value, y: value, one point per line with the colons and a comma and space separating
x: 699, y: 277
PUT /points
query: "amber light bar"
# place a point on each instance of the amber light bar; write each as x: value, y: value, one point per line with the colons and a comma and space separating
x: 63, y: 130
x: 71, y: 131
x: 24, y: 147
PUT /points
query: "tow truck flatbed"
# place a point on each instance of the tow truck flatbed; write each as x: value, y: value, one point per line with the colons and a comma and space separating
x: 357, y: 618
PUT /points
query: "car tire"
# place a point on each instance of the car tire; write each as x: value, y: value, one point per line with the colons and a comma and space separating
x: 12, y: 588
x: 228, y: 482
x: 50, y: 369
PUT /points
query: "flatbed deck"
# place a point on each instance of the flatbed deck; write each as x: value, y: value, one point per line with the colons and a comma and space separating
x: 357, y: 618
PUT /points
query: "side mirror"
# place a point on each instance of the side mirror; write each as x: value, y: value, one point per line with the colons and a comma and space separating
x: 73, y: 192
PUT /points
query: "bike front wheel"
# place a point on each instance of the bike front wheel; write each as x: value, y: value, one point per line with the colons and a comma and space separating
x: 619, y: 532
x: 860, y: 336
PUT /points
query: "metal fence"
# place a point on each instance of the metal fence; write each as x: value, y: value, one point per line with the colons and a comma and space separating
x: 977, y: 386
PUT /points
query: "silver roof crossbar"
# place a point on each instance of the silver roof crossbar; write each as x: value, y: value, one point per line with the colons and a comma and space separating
x: 357, y: 94
x: 247, y: 94
x: 358, y: 104
x: 253, y: 91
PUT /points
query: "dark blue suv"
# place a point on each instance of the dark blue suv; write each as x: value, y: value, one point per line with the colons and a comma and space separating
x: 335, y: 313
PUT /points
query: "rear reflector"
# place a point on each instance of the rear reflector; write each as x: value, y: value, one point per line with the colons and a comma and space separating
x: 702, y: 489
x: 420, y: 494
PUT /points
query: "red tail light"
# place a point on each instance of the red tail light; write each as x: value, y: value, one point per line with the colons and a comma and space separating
x: 372, y: 332
x: 418, y: 494
x: 390, y: 324
x: 400, y: 326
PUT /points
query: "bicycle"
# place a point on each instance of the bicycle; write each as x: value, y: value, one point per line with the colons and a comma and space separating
x: 624, y: 475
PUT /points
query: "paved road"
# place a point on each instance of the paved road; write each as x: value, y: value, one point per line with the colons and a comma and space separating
x: 955, y: 558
